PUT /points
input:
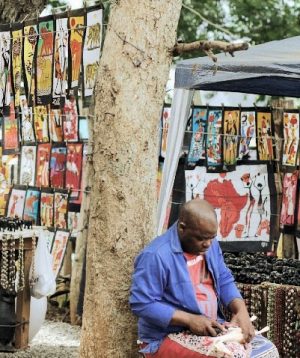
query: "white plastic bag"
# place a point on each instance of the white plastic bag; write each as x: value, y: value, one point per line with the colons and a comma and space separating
x: 41, y: 274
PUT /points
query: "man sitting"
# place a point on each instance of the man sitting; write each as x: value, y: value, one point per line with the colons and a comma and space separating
x: 179, y: 283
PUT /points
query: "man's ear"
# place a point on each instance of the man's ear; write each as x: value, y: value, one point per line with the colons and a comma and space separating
x: 181, y: 225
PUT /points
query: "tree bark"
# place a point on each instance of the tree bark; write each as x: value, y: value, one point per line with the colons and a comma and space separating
x: 132, y: 75
x: 18, y: 10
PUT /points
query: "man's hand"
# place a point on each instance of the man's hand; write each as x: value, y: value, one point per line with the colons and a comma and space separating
x: 197, y: 324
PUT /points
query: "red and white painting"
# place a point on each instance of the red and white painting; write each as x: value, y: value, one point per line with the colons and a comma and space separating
x: 289, y: 191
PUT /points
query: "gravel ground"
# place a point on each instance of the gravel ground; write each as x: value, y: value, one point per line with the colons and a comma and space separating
x: 54, y: 340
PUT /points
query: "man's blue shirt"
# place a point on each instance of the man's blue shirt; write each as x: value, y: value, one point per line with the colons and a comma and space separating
x: 161, y: 284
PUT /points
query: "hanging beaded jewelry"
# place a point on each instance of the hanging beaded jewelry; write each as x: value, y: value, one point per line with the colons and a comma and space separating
x: 11, y: 265
x: 4, y: 266
x: 32, y: 278
x: 271, y: 311
x: 289, y: 346
x: 21, y: 264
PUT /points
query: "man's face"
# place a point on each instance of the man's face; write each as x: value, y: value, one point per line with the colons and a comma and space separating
x: 196, y: 238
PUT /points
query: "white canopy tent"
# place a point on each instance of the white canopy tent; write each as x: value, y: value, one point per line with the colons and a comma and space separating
x: 272, y: 68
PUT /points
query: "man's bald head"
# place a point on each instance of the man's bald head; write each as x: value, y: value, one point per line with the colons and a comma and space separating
x: 195, y: 210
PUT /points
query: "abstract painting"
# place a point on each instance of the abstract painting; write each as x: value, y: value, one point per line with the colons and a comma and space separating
x: 58, y: 166
x: 248, y: 143
x: 231, y: 131
x: 5, y: 48
x: 27, y: 167
x: 289, y: 194
x: 10, y: 142
x: 197, y: 147
x: 41, y: 123
x: 56, y: 125
x: 43, y: 165
x: 58, y: 249
x: 291, y: 138
x: 61, y: 209
x: 17, y: 52
x: 264, y: 135
x: 27, y: 131
x: 47, y: 207
x: 31, y: 209
x: 16, y: 202
x: 74, y: 167
x: 70, y: 123
x: 214, y: 143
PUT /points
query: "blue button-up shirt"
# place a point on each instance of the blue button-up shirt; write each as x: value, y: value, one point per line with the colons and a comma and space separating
x: 161, y: 284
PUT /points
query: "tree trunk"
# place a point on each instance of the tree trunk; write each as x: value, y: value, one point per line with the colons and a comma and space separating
x: 129, y: 95
x: 18, y: 10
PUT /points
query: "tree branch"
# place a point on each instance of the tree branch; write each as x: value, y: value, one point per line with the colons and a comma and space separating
x: 208, y: 47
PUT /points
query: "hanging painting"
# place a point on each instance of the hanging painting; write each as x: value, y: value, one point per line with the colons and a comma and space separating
x: 60, y: 84
x: 291, y: 139
x: 41, y: 123
x: 30, y: 35
x: 83, y: 128
x: 27, y: 167
x: 31, y: 209
x: 16, y: 202
x: 92, y: 48
x: 70, y: 123
x: 77, y: 30
x: 77, y: 199
x: 43, y: 164
x: 10, y: 170
x: 47, y: 207
x: 165, y: 122
x: 214, y: 141
x: 27, y: 131
x: 58, y: 166
x: 58, y: 250
x: 248, y: 146
x: 264, y: 134
x: 17, y: 52
x: 289, y: 192
x: 244, y: 200
x: 5, y: 48
x: 10, y: 142
x: 61, y: 209
x: 56, y: 125
x: 74, y: 168
x: 49, y: 235
x: 197, y: 147
x: 231, y: 131
x: 73, y: 221
x: 44, y: 61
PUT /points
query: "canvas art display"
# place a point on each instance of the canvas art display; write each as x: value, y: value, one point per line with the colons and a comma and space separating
x: 10, y: 128
x: 289, y: 192
x: 92, y: 49
x: 30, y: 33
x: 73, y: 222
x: 264, y: 134
x: 27, y: 131
x: 41, y: 123
x: 59, y: 88
x: 9, y: 170
x: 291, y: 139
x: 83, y: 128
x: 70, y: 123
x: 248, y: 143
x: 44, y: 61
x: 56, y: 125
x: 61, y: 209
x: 77, y: 30
x: 58, y: 250
x: 58, y: 166
x: 16, y: 202
x: 27, y: 167
x: 76, y: 197
x: 165, y: 122
x: 5, y: 62
x: 74, y: 167
x: 43, y: 165
x: 17, y: 52
x: 47, y: 208
x: 231, y: 131
x: 197, y: 147
x: 214, y: 143
x: 31, y: 208
x: 244, y: 200
x: 49, y: 235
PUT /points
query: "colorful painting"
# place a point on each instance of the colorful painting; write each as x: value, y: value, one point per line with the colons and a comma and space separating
x: 83, y: 128
x: 265, y: 135
x: 9, y: 170
x: 47, y: 207
x: 291, y: 138
x: 44, y: 61
x: 76, y: 197
x: 165, y: 122
x: 92, y: 49
x: 56, y: 125
x: 30, y: 33
x: 74, y: 167
x: 248, y: 144
x: 60, y: 84
x: 214, y: 140
x: 58, y: 249
x: 197, y: 147
x: 244, y: 201
x: 61, y: 209
x: 10, y: 129
x: 49, y: 235
x: 58, y: 166
x: 41, y: 123
x: 73, y: 222
x: 16, y: 203
x: 27, y: 168
x: 17, y: 52
x: 43, y: 164
x: 27, y: 131
x: 5, y: 48
x: 70, y: 123
x: 31, y: 209
x: 288, y: 205
x: 77, y: 30
x: 231, y: 131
